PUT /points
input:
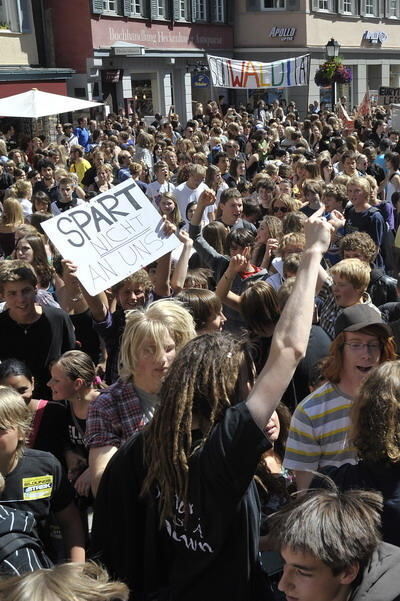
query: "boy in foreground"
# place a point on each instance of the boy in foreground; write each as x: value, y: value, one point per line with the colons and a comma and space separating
x: 332, y: 549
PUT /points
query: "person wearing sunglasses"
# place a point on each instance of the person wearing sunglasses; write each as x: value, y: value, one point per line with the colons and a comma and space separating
x: 282, y: 205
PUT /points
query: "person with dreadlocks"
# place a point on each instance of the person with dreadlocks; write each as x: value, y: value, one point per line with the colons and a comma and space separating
x: 177, y: 511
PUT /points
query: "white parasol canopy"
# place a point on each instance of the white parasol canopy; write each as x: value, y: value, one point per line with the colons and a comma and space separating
x: 34, y: 104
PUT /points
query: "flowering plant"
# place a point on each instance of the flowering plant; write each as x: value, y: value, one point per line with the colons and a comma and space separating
x: 332, y: 71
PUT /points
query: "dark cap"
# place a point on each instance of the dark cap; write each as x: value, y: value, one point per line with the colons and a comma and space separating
x: 358, y: 317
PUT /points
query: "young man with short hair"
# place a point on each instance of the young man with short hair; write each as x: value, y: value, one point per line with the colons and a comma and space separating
x: 48, y: 183
x: 231, y: 207
x: 332, y: 549
x: 34, y: 334
x: 79, y: 165
x: 191, y: 190
x: 67, y: 200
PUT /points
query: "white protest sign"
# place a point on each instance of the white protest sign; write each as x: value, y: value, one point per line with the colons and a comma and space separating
x: 111, y: 237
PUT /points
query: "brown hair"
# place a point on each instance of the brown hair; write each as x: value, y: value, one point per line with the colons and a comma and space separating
x: 375, y: 415
x: 334, y: 362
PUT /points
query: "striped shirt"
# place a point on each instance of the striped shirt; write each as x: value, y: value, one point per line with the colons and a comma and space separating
x: 318, y: 434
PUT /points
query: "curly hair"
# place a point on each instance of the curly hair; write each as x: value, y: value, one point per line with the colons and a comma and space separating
x: 208, y: 375
x: 375, y: 415
x: 360, y: 242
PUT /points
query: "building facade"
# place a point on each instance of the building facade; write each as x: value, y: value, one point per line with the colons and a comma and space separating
x: 23, y: 64
x: 367, y: 31
x: 140, y: 55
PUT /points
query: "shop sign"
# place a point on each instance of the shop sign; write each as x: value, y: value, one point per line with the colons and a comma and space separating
x: 111, y: 75
x: 285, y: 34
x: 375, y: 36
x: 389, y: 96
x: 200, y: 80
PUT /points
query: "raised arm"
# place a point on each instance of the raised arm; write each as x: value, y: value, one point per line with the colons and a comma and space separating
x: 223, y: 289
x: 181, y: 268
x: 290, y: 339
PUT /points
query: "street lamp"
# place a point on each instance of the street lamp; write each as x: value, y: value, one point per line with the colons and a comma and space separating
x: 332, y: 49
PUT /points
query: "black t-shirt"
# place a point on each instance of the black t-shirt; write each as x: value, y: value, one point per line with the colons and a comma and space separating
x: 215, y: 553
x: 38, y: 344
x: 380, y: 476
x: 52, y: 434
x: 53, y: 193
x: 38, y: 484
x: 86, y: 336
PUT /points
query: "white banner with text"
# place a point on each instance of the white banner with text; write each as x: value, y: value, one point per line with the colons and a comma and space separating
x: 230, y: 73
x: 110, y: 237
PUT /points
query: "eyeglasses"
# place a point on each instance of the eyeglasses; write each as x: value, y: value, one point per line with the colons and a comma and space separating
x: 280, y: 209
x: 372, y: 347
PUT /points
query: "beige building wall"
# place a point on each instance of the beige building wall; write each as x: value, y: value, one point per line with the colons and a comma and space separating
x: 19, y: 48
x: 350, y: 33
x: 252, y: 29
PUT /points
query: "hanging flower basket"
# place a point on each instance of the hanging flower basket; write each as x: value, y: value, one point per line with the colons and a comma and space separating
x: 342, y: 75
x: 332, y: 71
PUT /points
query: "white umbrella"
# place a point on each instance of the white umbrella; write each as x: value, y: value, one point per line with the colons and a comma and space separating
x: 34, y: 104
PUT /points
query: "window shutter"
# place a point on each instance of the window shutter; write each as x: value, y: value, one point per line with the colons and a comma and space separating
x: 154, y: 9
x: 315, y: 5
x: 340, y: 7
x: 363, y: 9
x: 229, y: 11
x: 381, y: 8
x: 97, y: 7
x: 253, y: 5
x: 177, y: 10
x: 126, y: 8
x: 193, y: 9
x: 24, y: 16
x: 387, y: 15
x: 292, y: 5
x: 212, y: 11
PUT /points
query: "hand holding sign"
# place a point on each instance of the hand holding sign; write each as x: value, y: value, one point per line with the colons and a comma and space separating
x: 114, y: 235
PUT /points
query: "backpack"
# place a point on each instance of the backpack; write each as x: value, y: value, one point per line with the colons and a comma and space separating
x: 20, y: 549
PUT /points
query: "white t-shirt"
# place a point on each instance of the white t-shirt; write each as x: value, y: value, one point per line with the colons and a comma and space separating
x: 26, y: 206
x: 185, y: 195
x: 155, y: 189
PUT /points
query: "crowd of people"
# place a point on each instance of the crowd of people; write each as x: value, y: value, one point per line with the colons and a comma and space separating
x: 225, y: 422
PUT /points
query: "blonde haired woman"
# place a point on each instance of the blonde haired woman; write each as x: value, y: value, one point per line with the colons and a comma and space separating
x: 149, y: 343
x: 10, y: 220
x: 65, y: 582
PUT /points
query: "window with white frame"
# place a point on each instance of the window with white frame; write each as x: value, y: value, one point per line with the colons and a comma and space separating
x: 392, y: 9
x: 369, y: 8
x: 162, y: 9
x: 10, y: 17
x: 322, y: 5
x: 183, y: 10
x: 201, y: 10
x: 136, y: 7
x: 3, y: 13
x: 272, y: 4
x: 348, y: 7
x: 219, y: 11
x: 110, y: 6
